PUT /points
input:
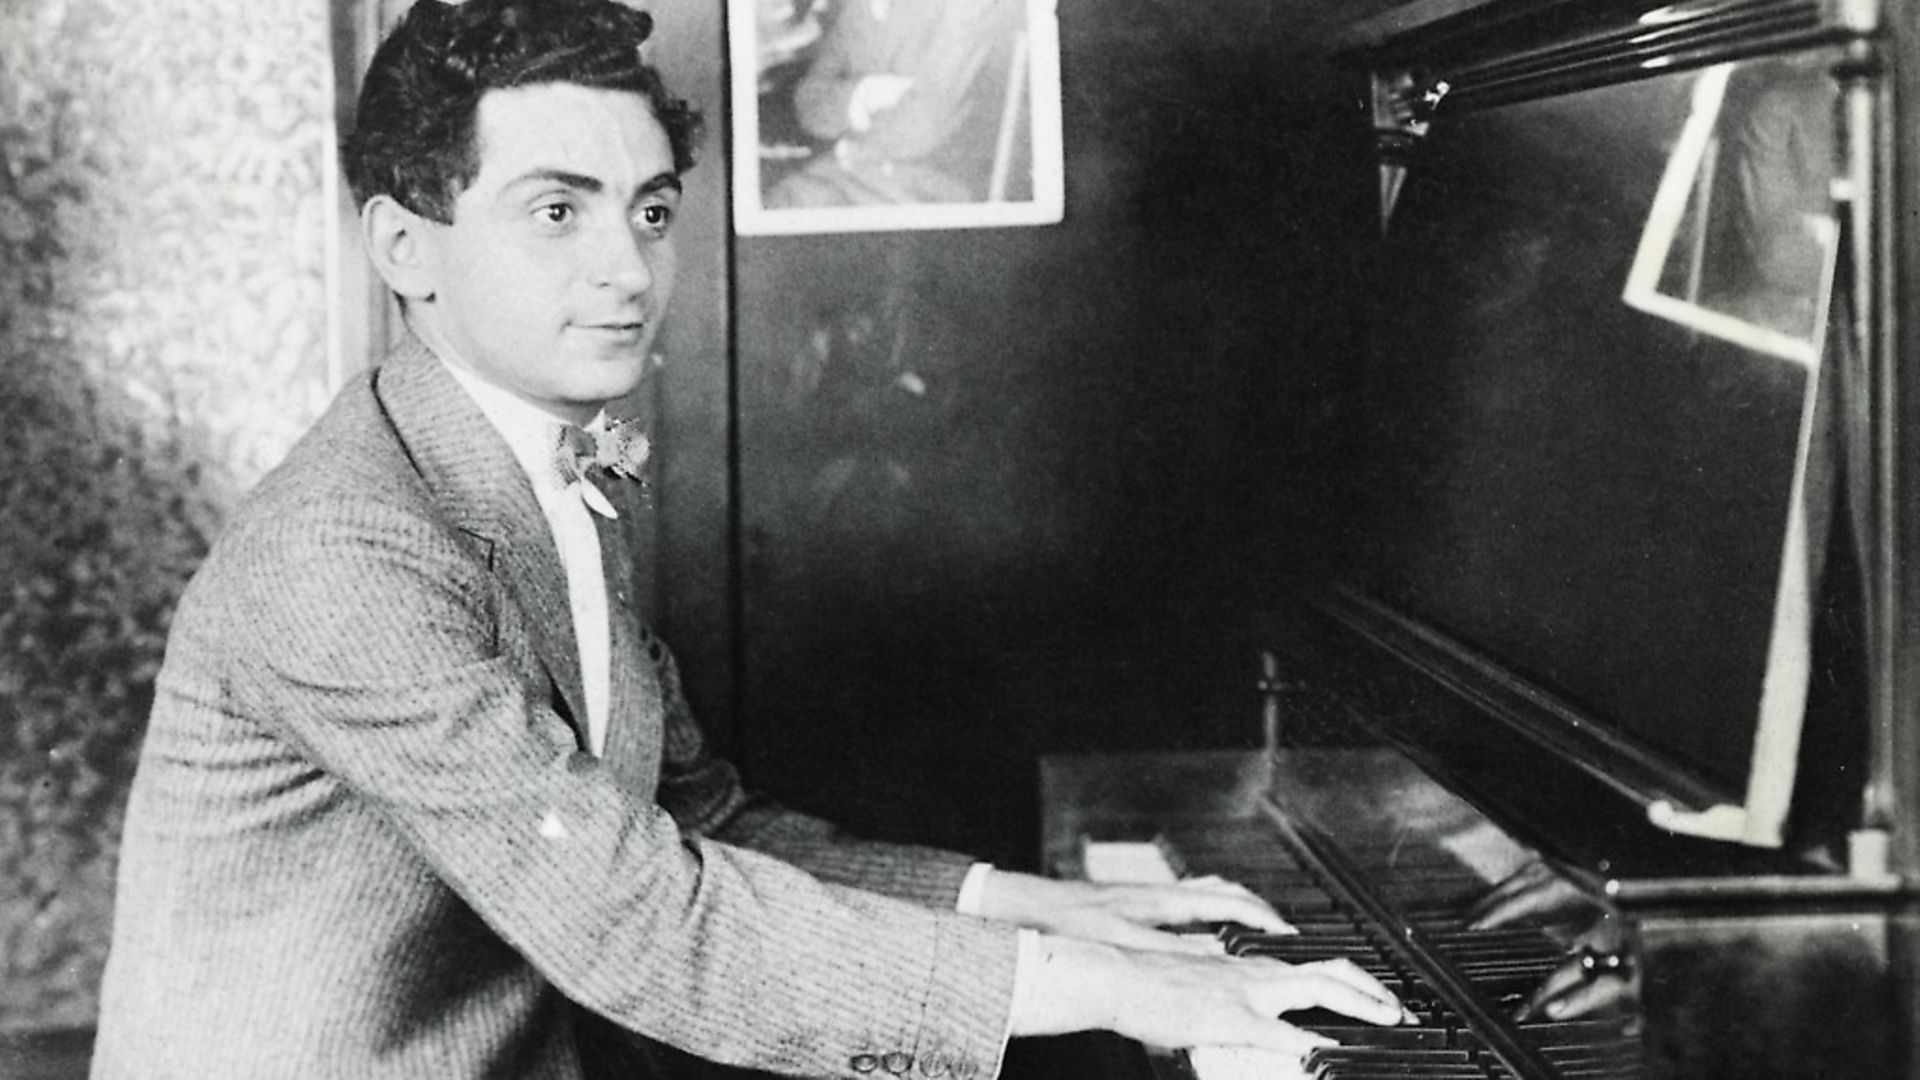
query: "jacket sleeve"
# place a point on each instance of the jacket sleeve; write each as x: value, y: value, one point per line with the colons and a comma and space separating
x: 703, y: 791
x: 382, y: 646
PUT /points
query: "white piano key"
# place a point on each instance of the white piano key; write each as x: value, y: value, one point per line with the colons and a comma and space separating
x: 1243, y: 1063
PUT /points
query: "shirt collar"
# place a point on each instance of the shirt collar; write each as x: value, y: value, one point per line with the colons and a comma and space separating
x: 529, y: 430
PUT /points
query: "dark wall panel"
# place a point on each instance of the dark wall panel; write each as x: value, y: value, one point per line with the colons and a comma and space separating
x: 1006, y: 492
x: 687, y: 401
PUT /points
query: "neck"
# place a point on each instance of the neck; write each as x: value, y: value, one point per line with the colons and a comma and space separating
x: 579, y: 415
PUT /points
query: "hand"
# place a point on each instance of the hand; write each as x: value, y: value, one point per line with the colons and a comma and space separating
x: 1598, y: 976
x: 875, y: 94
x: 1168, y: 1000
x: 1126, y: 915
x: 1533, y: 895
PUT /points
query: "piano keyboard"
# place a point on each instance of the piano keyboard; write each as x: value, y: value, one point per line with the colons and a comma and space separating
x: 1398, y: 911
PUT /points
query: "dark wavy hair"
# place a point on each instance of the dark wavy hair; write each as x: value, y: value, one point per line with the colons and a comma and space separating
x: 413, y: 135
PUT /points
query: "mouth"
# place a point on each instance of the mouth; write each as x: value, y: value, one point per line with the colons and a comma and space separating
x: 616, y: 329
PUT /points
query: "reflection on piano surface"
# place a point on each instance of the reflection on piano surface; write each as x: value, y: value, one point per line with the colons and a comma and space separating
x: 1374, y: 861
x: 1393, y: 886
x: 1598, y: 735
x: 1414, y: 919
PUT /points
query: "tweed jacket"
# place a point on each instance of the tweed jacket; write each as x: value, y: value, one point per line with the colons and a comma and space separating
x: 364, y: 840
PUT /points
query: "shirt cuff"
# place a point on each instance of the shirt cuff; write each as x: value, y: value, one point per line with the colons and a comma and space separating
x: 1026, y: 963
x: 971, y: 888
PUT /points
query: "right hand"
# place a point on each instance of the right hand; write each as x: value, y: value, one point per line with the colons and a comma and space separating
x: 1533, y: 896
x: 1127, y: 915
x: 1178, y: 1000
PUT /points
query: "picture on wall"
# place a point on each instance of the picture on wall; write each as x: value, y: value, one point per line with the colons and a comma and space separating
x: 874, y: 115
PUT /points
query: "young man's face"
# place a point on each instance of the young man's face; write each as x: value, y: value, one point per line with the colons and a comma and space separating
x: 552, y: 278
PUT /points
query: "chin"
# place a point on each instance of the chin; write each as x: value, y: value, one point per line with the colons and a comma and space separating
x: 611, y: 385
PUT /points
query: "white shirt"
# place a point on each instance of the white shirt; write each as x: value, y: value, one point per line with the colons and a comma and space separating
x: 533, y: 434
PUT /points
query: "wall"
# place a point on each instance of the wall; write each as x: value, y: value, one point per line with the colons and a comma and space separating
x: 1009, y: 492
x: 690, y: 399
x: 163, y: 281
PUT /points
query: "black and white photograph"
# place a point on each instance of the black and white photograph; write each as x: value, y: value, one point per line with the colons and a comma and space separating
x: 959, y: 539
x: 853, y: 115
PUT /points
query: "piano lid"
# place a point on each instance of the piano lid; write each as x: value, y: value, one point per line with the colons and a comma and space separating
x: 1610, y: 441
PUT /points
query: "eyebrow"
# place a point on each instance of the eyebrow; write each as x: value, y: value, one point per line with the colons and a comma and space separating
x: 666, y: 181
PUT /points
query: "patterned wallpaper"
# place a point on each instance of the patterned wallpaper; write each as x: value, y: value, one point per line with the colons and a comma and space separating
x: 164, y: 213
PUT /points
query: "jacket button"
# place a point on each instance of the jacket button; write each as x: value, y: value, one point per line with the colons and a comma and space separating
x: 864, y: 1063
x: 897, y: 1062
x: 933, y: 1065
x: 964, y: 1068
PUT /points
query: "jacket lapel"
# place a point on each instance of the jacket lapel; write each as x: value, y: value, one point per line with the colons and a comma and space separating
x: 633, y: 738
x: 483, y: 490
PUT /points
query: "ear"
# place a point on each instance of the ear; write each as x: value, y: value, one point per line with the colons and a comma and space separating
x: 397, y: 242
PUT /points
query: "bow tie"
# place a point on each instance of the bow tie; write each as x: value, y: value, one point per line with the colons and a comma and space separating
x: 620, y: 448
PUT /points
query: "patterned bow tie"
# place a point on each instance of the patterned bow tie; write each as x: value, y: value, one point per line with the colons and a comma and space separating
x: 620, y: 448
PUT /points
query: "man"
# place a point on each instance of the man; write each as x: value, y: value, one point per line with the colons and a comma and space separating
x: 421, y: 796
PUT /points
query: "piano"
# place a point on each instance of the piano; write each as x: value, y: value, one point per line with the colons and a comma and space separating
x: 1593, y: 733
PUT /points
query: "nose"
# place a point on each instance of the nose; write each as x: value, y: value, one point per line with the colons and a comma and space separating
x: 625, y: 262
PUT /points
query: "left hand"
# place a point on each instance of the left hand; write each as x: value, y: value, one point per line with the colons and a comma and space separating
x: 1130, y: 916
x: 1598, y: 978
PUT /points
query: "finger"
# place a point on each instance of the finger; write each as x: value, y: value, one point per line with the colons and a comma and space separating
x: 1530, y: 877
x: 1353, y: 975
x: 1606, y: 936
x: 1148, y: 940
x: 1214, y: 883
x: 1493, y: 899
x: 1132, y: 935
x: 1203, y: 905
x: 1209, y: 881
x: 1286, y: 1042
x: 1564, y: 979
x: 1534, y: 901
x: 1596, y: 995
x: 1311, y: 987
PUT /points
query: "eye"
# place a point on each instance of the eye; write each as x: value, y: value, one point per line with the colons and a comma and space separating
x: 654, y: 217
x: 554, y: 214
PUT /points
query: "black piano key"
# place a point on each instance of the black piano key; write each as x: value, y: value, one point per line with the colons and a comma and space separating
x: 1384, y: 859
x: 1300, y: 948
x: 1594, y: 1059
x: 1404, y: 1037
x: 1328, y: 931
x: 1433, y: 893
x: 1598, y: 1067
x: 1425, y: 1056
x: 1529, y: 941
x: 1529, y: 944
x: 1507, y: 976
x: 1552, y: 1033
x: 1466, y: 932
x: 1337, y: 1068
x: 1392, y: 1071
x: 1233, y: 939
x: 1324, y: 1019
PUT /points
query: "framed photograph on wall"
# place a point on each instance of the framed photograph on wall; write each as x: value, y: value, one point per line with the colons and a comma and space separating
x: 876, y: 115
